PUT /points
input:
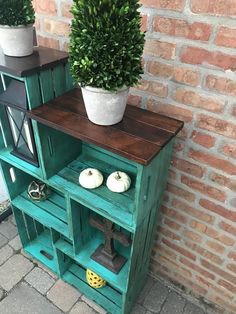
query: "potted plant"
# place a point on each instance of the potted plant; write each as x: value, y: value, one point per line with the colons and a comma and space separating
x: 105, y: 50
x: 16, y: 27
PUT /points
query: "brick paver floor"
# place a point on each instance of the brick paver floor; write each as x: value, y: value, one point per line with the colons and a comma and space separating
x: 26, y: 287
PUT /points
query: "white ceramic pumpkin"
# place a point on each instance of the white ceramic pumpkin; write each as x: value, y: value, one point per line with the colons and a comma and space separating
x: 90, y: 178
x: 118, y: 182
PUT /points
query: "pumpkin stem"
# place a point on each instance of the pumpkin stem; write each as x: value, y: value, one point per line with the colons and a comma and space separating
x: 90, y: 173
x: 118, y: 175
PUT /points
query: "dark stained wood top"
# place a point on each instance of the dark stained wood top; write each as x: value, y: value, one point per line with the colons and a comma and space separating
x: 42, y: 58
x: 140, y: 136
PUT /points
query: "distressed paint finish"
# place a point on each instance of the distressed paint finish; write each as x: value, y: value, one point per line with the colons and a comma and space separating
x: 57, y: 231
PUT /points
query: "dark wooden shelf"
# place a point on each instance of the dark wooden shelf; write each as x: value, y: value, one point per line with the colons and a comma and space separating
x: 41, y: 59
x: 140, y: 136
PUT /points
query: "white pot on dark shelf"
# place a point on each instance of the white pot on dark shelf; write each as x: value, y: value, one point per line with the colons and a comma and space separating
x: 104, y: 107
x: 16, y: 41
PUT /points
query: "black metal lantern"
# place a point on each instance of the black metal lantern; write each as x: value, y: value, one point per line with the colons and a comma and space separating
x: 14, y: 99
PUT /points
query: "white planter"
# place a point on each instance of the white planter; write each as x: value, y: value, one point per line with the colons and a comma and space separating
x: 16, y: 41
x: 104, y: 107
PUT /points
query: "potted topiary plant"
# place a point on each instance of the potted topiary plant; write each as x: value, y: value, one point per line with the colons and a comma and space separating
x: 16, y: 27
x: 105, y: 50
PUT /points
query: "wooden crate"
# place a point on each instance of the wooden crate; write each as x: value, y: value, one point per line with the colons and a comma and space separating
x: 57, y: 231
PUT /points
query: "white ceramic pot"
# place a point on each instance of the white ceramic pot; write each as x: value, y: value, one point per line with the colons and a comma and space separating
x: 104, y: 107
x: 16, y: 41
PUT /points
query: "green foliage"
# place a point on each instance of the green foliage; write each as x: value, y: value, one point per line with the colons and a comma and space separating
x: 16, y: 12
x: 106, y: 43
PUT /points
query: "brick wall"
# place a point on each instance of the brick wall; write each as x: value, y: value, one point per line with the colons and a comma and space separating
x: 189, y: 62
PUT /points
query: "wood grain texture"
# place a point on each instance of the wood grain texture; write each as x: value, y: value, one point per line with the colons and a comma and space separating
x: 140, y: 136
x: 41, y: 59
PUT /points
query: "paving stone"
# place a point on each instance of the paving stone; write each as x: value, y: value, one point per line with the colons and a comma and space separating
x: 63, y: 295
x: 16, y: 243
x: 5, y: 253
x: 40, y: 280
x: 174, y: 304
x: 26, y: 300
x: 191, y: 308
x: 8, y: 229
x: 1, y: 294
x: 13, y: 270
x: 156, y: 297
x: 93, y: 305
x: 54, y: 276
x: 147, y: 287
x: 82, y: 308
x: 138, y: 309
x: 3, y: 240
x: 12, y: 219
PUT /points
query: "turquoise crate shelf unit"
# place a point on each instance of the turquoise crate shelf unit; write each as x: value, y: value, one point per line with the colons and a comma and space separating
x: 57, y: 231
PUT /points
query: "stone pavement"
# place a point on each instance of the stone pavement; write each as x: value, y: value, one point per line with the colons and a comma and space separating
x: 26, y: 287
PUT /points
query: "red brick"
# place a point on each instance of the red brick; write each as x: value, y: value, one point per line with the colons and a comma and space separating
x: 58, y: 28
x: 205, y: 253
x: 155, y: 88
x: 192, y: 211
x: 176, y: 267
x: 160, y: 69
x: 232, y: 267
x: 204, y: 188
x: 172, y: 224
x: 213, y: 161
x: 180, y: 192
x: 221, y: 291
x: 219, y: 271
x: 203, y: 139
x: 170, y: 110
x: 159, y: 49
x: 159, y: 249
x: 219, y: 126
x: 48, y: 42
x: 226, y: 305
x: 232, y: 255
x: 171, y: 174
x: 179, y: 249
x: 37, y: 24
x: 176, y: 5
x: 215, y: 59
x: 186, y: 76
x: 218, y: 209
x: 198, y: 269
x: 230, y: 150
x: 223, y: 181
x: 134, y: 100
x: 227, y: 227
x: 193, y: 236
x: 169, y: 234
x: 214, y: 7
x: 212, y: 233
x: 226, y: 37
x: 195, y: 99
x: 46, y: 7
x: 182, y: 28
x: 215, y: 246
x: 221, y: 84
x: 144, y: 20
x: 188, y: 167
x: 227, y: 285
x: 173, y: 214
x: 65, y: 9
x: 234, y: 111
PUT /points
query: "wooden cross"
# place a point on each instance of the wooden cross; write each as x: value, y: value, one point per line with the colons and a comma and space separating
x: 105, y: 254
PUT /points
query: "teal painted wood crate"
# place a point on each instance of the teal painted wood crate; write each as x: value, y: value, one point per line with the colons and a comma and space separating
x: 57, y: 231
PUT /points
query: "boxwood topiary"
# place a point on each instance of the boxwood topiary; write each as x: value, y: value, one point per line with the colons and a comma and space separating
x: 106, y: 43
x: 16, y: 12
